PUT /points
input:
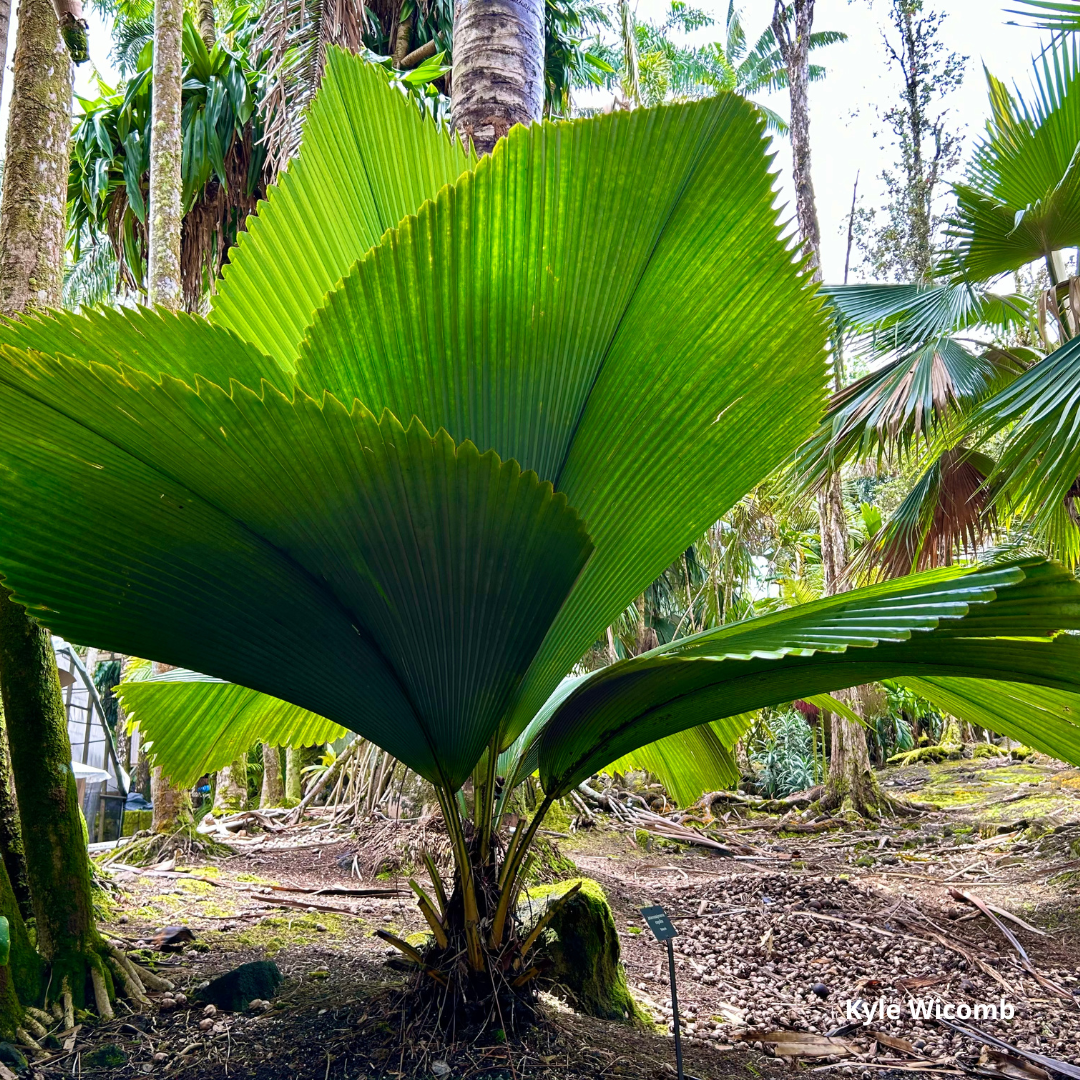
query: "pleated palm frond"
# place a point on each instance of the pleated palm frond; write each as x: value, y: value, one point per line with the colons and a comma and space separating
x: 962, y: 624
x: 1060, y: 16
x: 1021, y: 198
x: 688, y: 763
x: 929, y: 375
x: 400, y: 478
x: 1039, y: 467
x: 193, y: 724
x: 948, y: 511
x: 1043, y: 718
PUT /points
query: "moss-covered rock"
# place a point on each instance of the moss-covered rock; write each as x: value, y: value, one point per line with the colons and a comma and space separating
x: 582, y: 946
x: 13, y: 1057
x: 234, y: 990
x: 109, y: 1056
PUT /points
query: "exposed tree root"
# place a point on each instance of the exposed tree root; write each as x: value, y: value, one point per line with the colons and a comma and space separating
x: 145, y: 850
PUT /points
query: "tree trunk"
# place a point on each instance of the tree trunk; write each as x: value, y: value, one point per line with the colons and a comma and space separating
x: 172, y: 805
x: 73, y: 27
x: 273, y: 790
x: 36, y: 165
x: 207, y: 25
x: 123, y: 740
x: 792, y: 33
x: 163, y: 275
x: 5, y: 26
x: 230, y: 794
x: 20, y: 977
x: 294, y: 763
x: 401, y: 36
x: 498, y: 77
x: 11, y: 842
x: 57, y: 863
x: 851, y: 781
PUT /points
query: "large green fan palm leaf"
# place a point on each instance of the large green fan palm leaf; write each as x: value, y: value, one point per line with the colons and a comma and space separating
x: 419, y: 536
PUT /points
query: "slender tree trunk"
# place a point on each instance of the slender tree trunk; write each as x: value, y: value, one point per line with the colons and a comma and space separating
x: 294, y: 762
x: 230, y: 793
x: 207, y: 25
x: 58, y: 866
x: 792, y: 25
x: 36, y: 165
x: 401, y: 36
x: 123, y: 740
x: 498, y: 78
x: 850, y: 781
x: 5, y: 26
x: 11, y: 842
x: 172, y: 805
x: 163, y: 275
x: 273, y: 790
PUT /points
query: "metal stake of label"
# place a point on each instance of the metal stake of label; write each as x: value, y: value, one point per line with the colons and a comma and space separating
x: 663, y: 930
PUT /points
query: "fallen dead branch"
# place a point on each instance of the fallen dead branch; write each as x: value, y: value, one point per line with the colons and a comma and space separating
x: 1011, y: 938
x: 670, y: 830
x: 1053, y: 1064
x: 340, y: 890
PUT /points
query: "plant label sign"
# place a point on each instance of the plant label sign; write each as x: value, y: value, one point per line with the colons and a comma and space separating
x: 659, y: 923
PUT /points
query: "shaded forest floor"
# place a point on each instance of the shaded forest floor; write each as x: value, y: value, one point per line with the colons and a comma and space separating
x: 852, y: 912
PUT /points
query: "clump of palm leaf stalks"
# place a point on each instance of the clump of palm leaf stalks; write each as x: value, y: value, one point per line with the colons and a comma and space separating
x: 357, y: 783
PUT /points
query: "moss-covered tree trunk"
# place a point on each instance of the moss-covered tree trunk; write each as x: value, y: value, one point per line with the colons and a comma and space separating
x: 294, y: 763
x: 35, y: 165
x: 230, y: 792
x: 57, y: 862
x: 273, y: 790
x: 172, y: 805
x: 11, y: 842
x: 21, y: 979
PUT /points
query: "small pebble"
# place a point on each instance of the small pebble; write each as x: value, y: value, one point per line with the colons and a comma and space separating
x: 206, y: 1024
x: 210, y: 1010
x: 820, y: 989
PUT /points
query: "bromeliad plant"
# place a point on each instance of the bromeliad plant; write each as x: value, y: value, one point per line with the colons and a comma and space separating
x: 446, y: 419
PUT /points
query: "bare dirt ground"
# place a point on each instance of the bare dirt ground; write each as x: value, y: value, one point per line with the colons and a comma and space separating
x: 780, y: 944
